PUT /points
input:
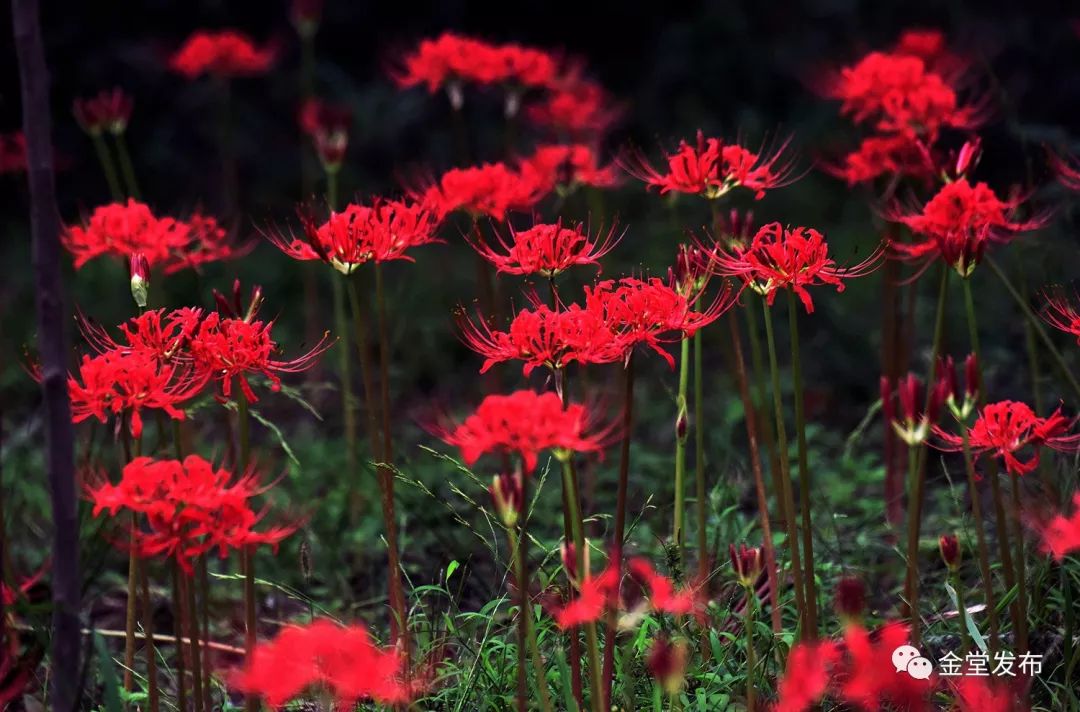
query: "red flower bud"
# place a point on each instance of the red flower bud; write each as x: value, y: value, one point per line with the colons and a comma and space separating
x: 506, y: 494
x: 667, y: 663
x: 140, y: 279
x: 746, y: 562
x: 909, y: 397
x: 971, y: 377
x: 968, y: 156
x: 950, y: 550
x: 850, y: 598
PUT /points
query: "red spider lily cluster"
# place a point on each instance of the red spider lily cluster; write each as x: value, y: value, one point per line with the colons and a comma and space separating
x: 190, y: 508
x: 343, y: 660
x: 383, y: 231
x: 779, y: 259
x: 121, y: 229
x: 452, y: 58
x: 490, y: 189
x: 109, y: 111
x: 547, y: 249
x: 224, y: 53
x: 711, y: 168
x: 568, y: 166
x: 575, y: 107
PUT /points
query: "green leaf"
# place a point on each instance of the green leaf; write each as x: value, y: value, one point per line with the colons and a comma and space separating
x: 107, y: 671
x: 564, y: 679
x: 277, y: 434
x: 451, y: 568
x: 973, y: 630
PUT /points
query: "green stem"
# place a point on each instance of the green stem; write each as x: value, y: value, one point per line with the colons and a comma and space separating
x: 529, y: 629
x: 348, y: 400
x: 751, y: 662
x: 767, y: 435
x: 917, y: 479
x: 578, y: 532
x: 151, y: 651
x: 1036, y: 324
x: 131, y: 612
x: 197, y: 690
x: 107, y: 167
x: 178, y: 631
x: 251, y: 702
x: 680, y: 448
x: 785, y: 472
x: 1021, y: 574
x: 127, y: 168
x: 699, y: 459
x: 804, y: 469
x: 980, y: 536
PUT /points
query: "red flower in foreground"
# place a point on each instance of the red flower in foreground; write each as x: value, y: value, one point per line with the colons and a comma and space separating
x: 107, y: 111
x: 546, y: 249
x: 225, y: 53
x: 1006, y: 428
x: 576, y: 107
x: 381, y: 232
x: 662, y: 594
x: 958, y: 224
x: 328, y: 126
x: 870, y: 679
x: 162, y: 334
x: 568, y: 166
x: 807, y: 677
x: 190, y: 508
x: 123, y: 382
x: 12, y: 153
x: 527, y: 423
x: 120, y: 229
x: 788, y: 258
x: 711, y: 168
x: 490, y: 189
x: 1061, y: 535
x: 595, y: 596
x: 344, y: 660
x: 451, y: 58
x: 546, y: 337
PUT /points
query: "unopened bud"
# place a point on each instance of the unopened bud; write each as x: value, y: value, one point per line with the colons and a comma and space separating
x: 506, y: 494
x: 681, y: 424
x: 850, y: 598
x: 140, y: 279
x: 968, y: 156
x: 950, y: 550
x: 747, y: 563
x: 667, y: 663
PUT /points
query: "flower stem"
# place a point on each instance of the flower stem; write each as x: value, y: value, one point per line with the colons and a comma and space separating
x: 107, y: 167
x: 699, y: 459
x: 530, y: 631
x: 980, y: 537
x: 785, y: 473
x: 917, y: 472
x: 620, y: 516
x: 680, y: 448
x: 1036, y: 324
x: 1021, y: 574
x: 750, y: 416
x: 804, y: 469
x: 251, y: 702
x: 763, y: 422
x: 127, y: 168
x: 131, y: 611
x: 748, y: 626
x: 196, y: 661
x: 347, y: 397
x: 151, y: 652
x: 204, y: 606
x: 178, y: 631
x: 961, y: 608
x: 397, y: 595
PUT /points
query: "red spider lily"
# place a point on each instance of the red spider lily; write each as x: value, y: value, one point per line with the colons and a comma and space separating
x: 160, y: 333
x: 506, y: 493
x: 1061, y: 535
x: 108, y: 111
x: 126, y: 381
x: 233, y: 348
x: 650, y: 312
x: 662, y: 595
x: 897, y: 93
x: 547, y: 337
x: 691, y: 271
x: 595, y: 596
x: 121, y: 229
x: 490, y: 189
x: 870, y: 679
x: 961, y: 401
x: 807, y: 677
x: 788, y: 258
x: 224, y: 53
x: 577, y: 107
x: 381, y: 232
x: 9, y: 596
x: 342, y: 659
x: 1066, y: 167
x: 949, y: 546
x: 1006, y: 428
x: 893, y: 155
x: 747, y: 562
x: 979, y: 694
x: 546, y: 249
x: 930, y: 46
x: 667, y: 663
x: 568, y: 166
x: 1060, y: 313
x: 913, y: 424
x: 850, y: 598
x: 527, y: 423
x: 190, y: 508
x: 734, y: 230
x: 328, y: 126
x: 140, y: 279
x: 452, y: 58
x: 12, y: 153
x: 958, y: 224
x: 711, y: 168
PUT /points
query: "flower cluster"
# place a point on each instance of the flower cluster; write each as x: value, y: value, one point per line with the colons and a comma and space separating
x: 452, y: 58
x: 1007, y: 428
x: 565, y: 167
x: 526, y: 423
x: 780, y: 258
x: 1061, y: 535
x: 122, y: 229
x: 546, y: 249
x: 490, y: 189
x: 225, y: 53
x: 383, y: 231
x: 108, y: 111
x: 958, y: 224
x: 342, y: 659
x: 190, y: 508
x: 576, y: 107
x: 711, y: 168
